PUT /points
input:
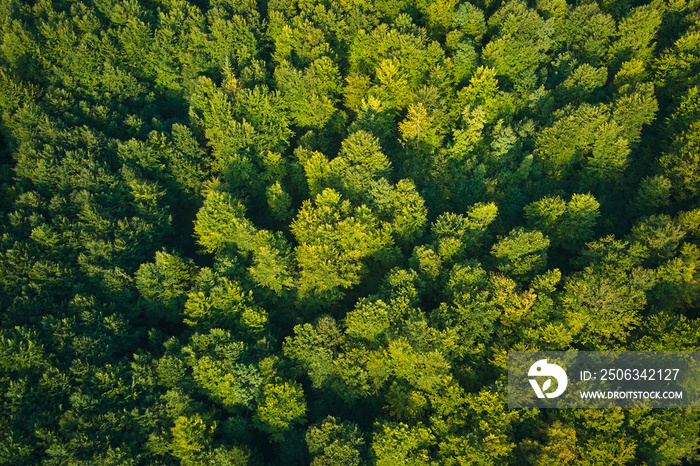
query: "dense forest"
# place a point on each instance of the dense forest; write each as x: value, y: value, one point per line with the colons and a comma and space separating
x: 308, y: 232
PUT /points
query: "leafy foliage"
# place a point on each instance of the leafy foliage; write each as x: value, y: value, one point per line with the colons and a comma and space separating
x: 301, y: 232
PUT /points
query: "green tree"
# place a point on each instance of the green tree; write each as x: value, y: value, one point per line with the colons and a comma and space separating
x: 368, y: 321
x: 455, y: 234
x: 310, y: 95
x: 484, y: 92
x: 221, y: 223
x: 403, y: 209
x: 635, y: 34
x: 635, y: 109
x: 467, y: 311
x: 359, y: 163
x: 676, y: 68
x: 602, y: 305
x: 217, y: 302
x: 522, y: 253
x: 678, y: 282
x: 164, y: 284
x: 334, y: 240
x: 520, y: 44
x: 597, y: 145
x: 334, y: 443
x: 282, y: 406
x: 488, y: 441
x: 561, y: 446
x: 567, y: 224
x: 654, y: 192
x: 587, y: 31
x: 191, y: 438
x: 680, y: 163
x: 313, y: 347
x: 400, y: 444
x: 469, y: 21
x: 658, y: 235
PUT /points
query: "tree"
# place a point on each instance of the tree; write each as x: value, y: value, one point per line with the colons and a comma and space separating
x: 233, y: 35
x: 439, y: 16
x: 522, y: 41
x: 359, y: 163
x: 634, y: 109
x: 369, y: 321
x: 597, y: 145
x: 334, y: 239
x: 403, y: 209
x: 587, y: 31
x: 469, y: 21
x: 681, y: 162
x: 488, y: 440
x: 310, y: 95
x: 217, y: 302
x: 561, y: 447
x: 677, y: 285
x: 400, y: 444
x: 334, y: 443
x: 602, y: 305
x: 314, y: 347
x: 658, y: 235
x: 221, y: 223
x: 600, y: 450
x: 654, y: 192
x: 282, y: 405
x: 455, y: 234
x: 164, y: 284
x: 583, y: 83
x: 234, y: 386
x: 267, y: 113
x: 484, y: 91
x: 608, y: 155
x: 635, y: 34
x: 663, y: 438
x: 418, y: 130
x: 676, y: 68
x: 190, y: 438
x: 231, y: 140
x: 522, y: 253
x: 280, y: 202
x: 467, y: 311
x: 567, y: 224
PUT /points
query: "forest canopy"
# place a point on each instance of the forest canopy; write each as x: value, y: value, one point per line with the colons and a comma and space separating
x: 308, y: 232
